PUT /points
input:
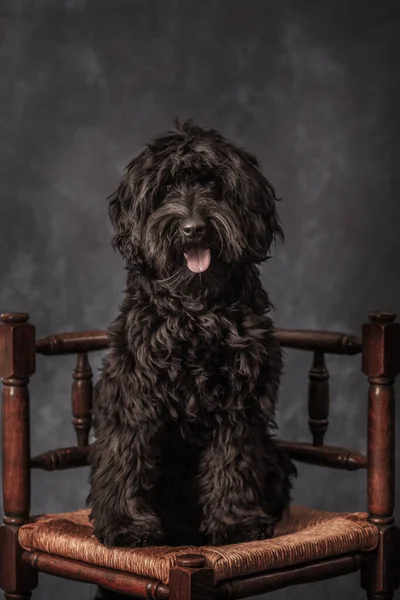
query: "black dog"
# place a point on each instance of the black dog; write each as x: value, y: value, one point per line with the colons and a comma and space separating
x: 184, y: 407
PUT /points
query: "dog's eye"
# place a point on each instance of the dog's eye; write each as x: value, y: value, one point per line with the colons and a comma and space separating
x: 211, y: 183
x: 168, y: 187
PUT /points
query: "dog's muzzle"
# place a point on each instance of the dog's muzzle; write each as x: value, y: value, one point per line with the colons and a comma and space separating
x: 197, y: 253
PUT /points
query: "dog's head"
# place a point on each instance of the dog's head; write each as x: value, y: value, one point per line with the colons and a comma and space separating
x: 192, y: 207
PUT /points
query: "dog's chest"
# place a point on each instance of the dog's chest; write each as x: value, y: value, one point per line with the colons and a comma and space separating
x: 214, y: 354
x: 197, y: 340
x: 201, y: 364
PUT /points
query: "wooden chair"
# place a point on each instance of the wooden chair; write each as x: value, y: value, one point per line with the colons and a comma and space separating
x: 309, y: 546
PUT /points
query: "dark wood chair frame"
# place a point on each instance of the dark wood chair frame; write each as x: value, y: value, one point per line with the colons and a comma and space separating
x: 191, y: 579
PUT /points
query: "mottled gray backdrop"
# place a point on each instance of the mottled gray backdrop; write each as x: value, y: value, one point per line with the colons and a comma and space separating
x: 311, y: 87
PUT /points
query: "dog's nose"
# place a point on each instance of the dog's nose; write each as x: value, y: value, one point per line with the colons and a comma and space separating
x: 193, y: 227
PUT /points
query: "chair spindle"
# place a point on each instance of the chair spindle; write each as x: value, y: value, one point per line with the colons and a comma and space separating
x: 318, y: 398
x: 82, y: 398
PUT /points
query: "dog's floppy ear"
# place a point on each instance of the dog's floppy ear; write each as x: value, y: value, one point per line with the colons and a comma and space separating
x: 260, y: 213
x: 268, y: 227
x: 126, y: 225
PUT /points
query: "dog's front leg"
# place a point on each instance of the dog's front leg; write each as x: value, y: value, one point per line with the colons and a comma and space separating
x: 231, y: 481
x: 123, y: 468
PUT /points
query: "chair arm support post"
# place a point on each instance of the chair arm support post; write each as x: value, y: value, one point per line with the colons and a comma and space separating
x: 381, y: 364
x: 17, y: 364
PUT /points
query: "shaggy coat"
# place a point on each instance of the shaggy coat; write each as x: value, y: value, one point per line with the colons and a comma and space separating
x: 184, y: 407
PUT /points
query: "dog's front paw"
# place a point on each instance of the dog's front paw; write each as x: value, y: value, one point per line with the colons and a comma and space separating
x: 131, y: 536
x: 245, y: 531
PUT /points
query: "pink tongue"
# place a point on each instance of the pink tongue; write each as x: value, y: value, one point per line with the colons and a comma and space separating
x: 198, y: 259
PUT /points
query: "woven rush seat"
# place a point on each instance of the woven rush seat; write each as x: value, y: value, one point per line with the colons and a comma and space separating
x: 303, y: 536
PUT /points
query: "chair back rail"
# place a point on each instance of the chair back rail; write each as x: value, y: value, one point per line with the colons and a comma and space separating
x: 326, y: 456
x: 328, y: 342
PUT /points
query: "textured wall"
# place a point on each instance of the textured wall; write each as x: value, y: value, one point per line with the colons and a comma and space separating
x: 310, y: 87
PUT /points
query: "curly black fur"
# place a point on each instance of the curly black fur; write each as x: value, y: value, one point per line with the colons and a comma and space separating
x: 184, y: 407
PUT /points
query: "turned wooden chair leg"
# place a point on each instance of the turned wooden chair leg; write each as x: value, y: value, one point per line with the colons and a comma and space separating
x: 191, y: 579
x: 17, y: 364
x: 381, y: 364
